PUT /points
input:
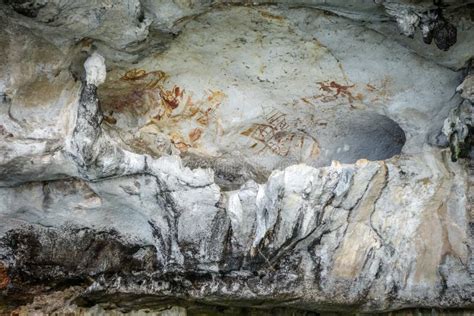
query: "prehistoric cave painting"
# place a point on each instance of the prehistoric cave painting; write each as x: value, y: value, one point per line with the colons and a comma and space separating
x: 171, y: 120
x: 195, y: 134
x: 276, y: 135
x: 134, y: 74
x: 171, y: 115
x: 136, y: 91
x: 283, y: 135
x: 381, y: 91
x: 331, y: 91
x: 193, y: 120
x: 171, y: 98
x: 354, y: 95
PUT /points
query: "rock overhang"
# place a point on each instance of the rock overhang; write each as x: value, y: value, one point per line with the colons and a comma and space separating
x: 239, y: 94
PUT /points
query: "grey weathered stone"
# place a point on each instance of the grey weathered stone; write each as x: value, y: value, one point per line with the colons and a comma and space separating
x: 269, y: 157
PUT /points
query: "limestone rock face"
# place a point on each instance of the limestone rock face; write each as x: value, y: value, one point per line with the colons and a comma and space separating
x: 221, y: 156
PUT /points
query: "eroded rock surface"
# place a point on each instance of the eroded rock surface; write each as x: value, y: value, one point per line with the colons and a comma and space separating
x: 266, y: 157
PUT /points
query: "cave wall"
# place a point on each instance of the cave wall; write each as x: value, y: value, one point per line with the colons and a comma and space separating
x: 224, y: 156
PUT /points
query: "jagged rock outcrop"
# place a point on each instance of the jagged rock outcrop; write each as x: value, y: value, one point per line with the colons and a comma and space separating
x: 270, y: 157
x: 458, y: 126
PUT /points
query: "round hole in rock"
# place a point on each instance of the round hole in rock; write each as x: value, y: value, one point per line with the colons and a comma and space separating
x: 356, y: 135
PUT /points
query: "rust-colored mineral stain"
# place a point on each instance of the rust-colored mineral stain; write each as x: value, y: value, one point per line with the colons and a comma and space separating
x: 4, y: 279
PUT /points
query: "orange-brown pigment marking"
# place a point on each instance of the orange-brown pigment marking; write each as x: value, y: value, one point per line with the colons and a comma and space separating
x: 271, y: 16
x: 332, y: 90
x: 139, y: 92
x: 136, y: 90
x: 4, y: 279
x: 195, y: 134
x: 172, y: 97
x: 275, y: 135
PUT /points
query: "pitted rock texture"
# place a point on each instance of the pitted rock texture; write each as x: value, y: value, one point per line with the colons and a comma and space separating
x: 161, y: 153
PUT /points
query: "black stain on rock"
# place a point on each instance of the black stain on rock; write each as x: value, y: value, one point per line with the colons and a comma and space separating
x: 436, y: 27
x: 64, y: 255
x: 29, y: 8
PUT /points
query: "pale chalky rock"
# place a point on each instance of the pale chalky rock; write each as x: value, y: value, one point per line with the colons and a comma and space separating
x: 207, y: 158
x: 95, y: 69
